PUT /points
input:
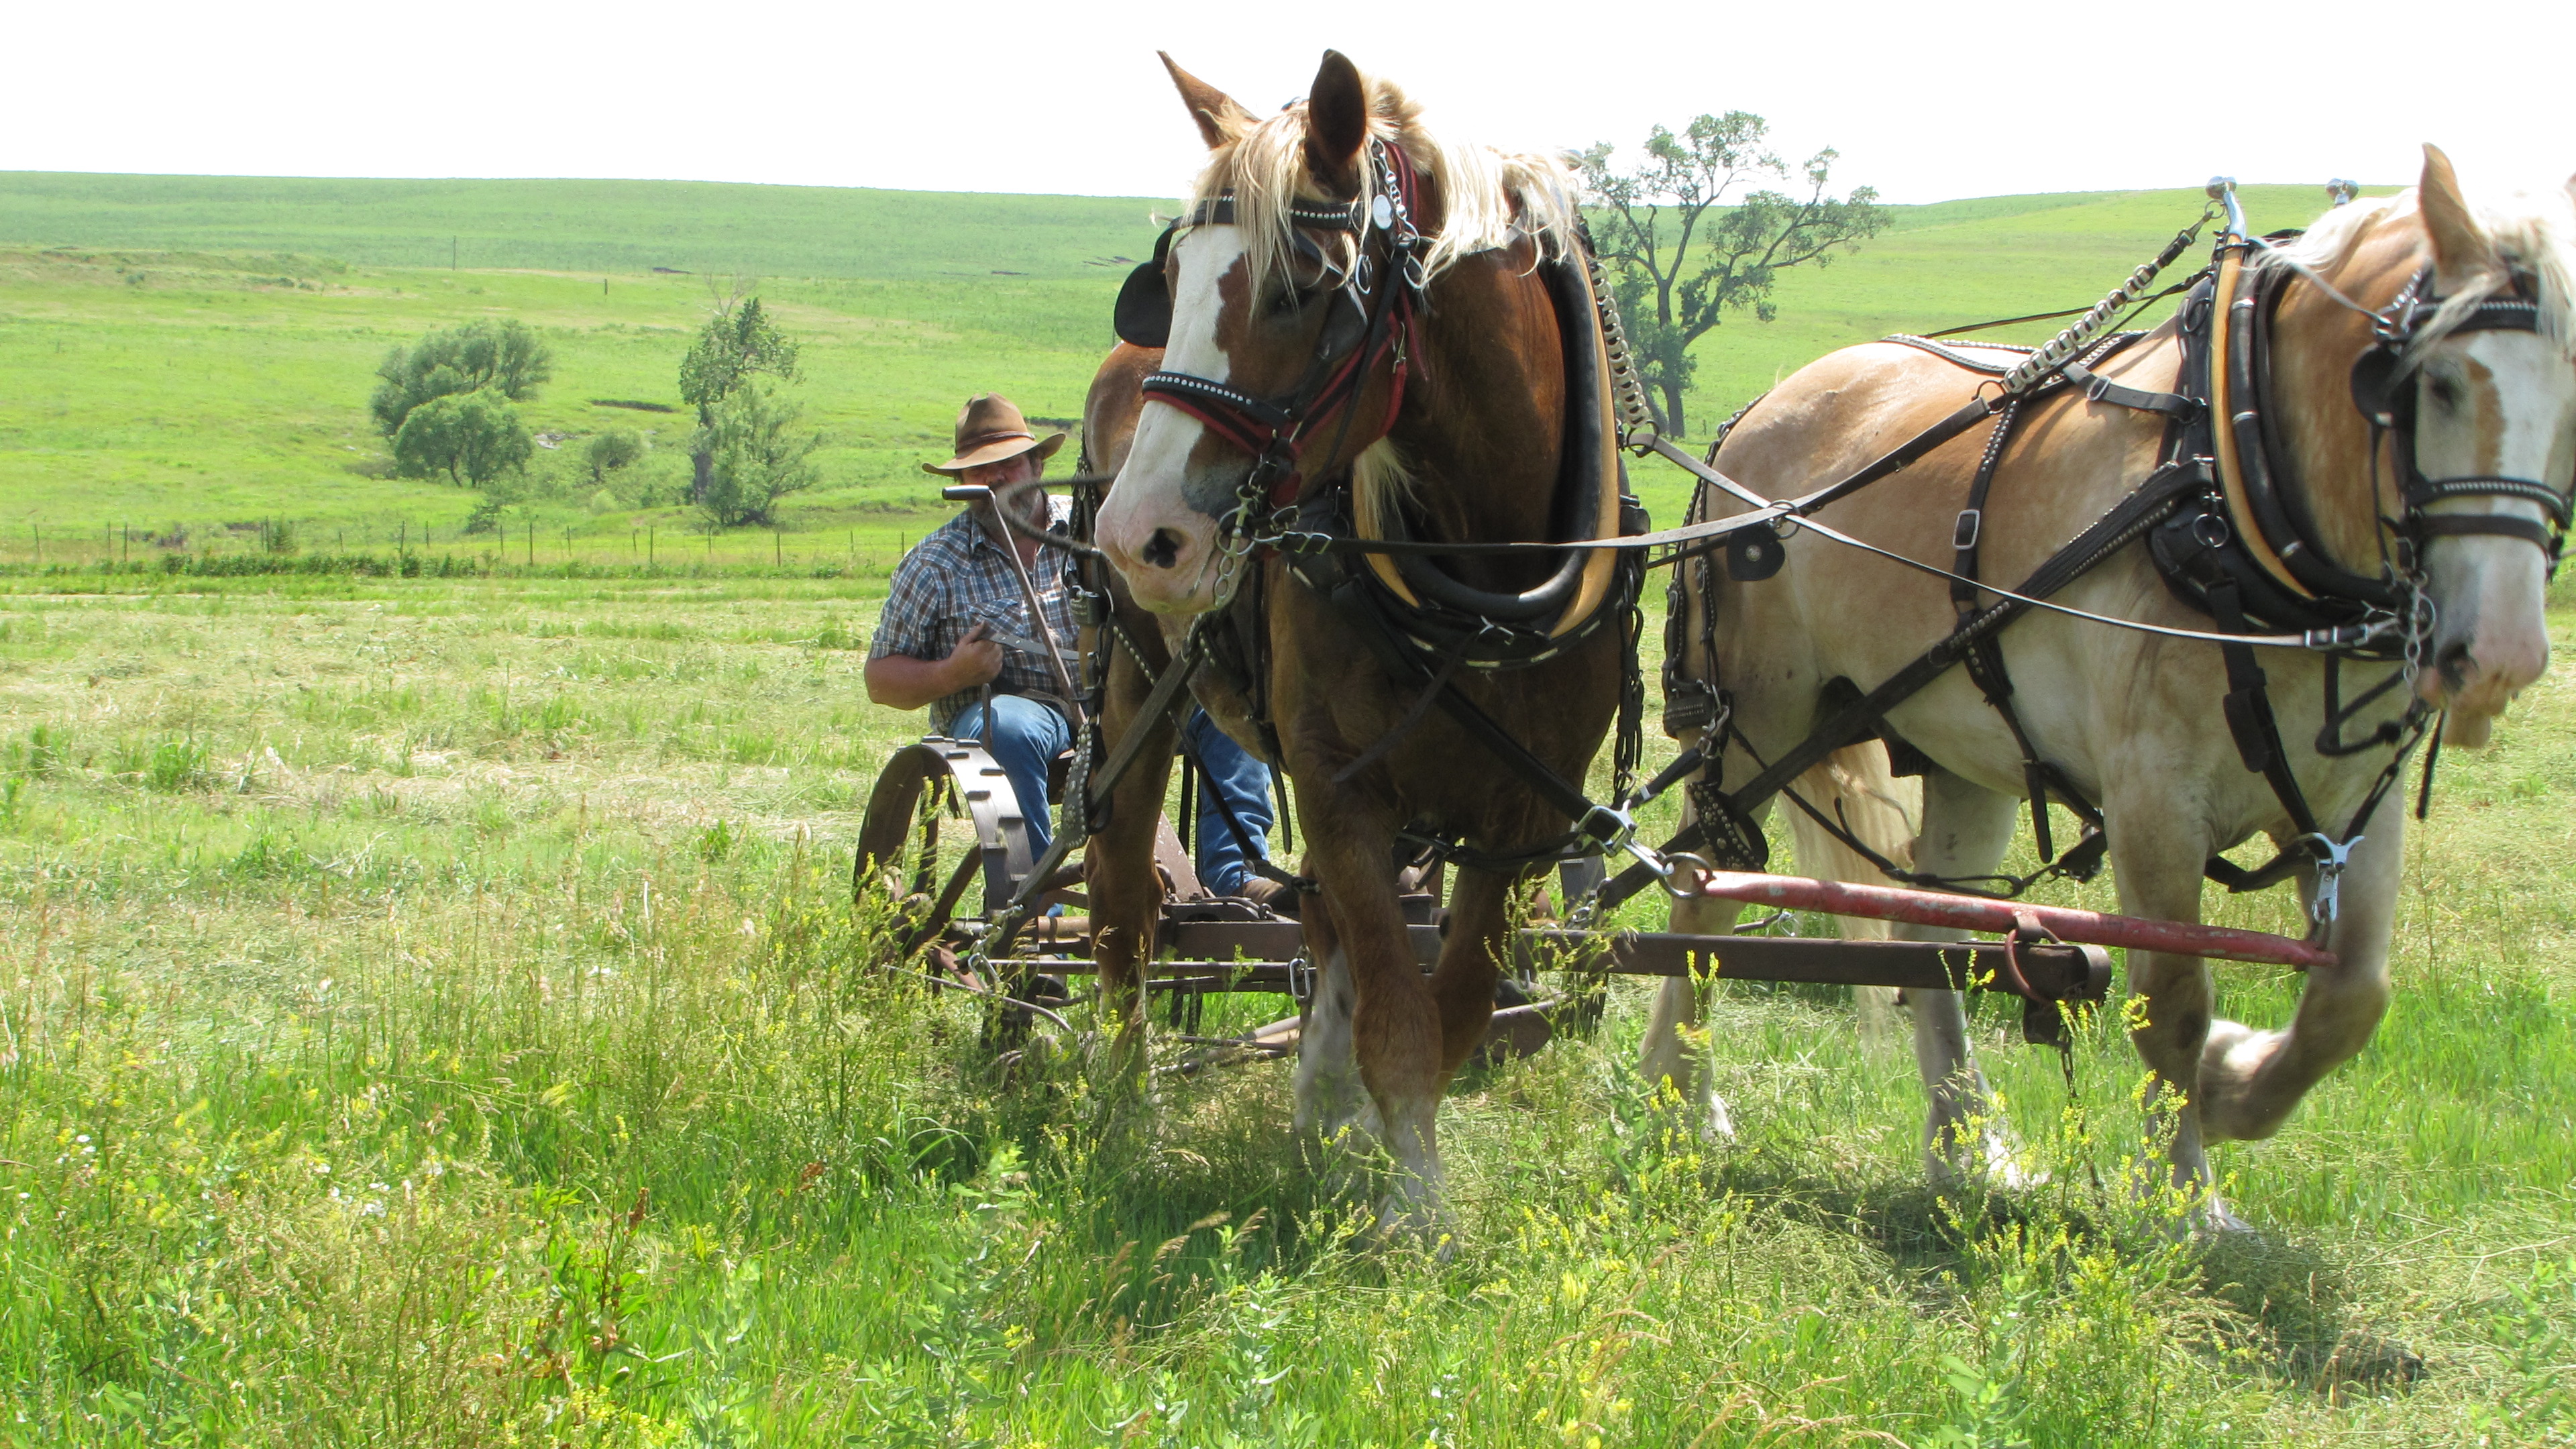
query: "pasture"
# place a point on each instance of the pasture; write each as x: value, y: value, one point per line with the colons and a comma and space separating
x: 191, y: 356
x: 431, y: 1011
x: 433, y: 1016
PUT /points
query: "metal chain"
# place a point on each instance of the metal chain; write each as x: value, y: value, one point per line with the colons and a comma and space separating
x: 1627, y: 389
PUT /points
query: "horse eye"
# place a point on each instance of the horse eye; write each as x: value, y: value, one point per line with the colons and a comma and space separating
x: 2446, y: 392
x: 1288, y: 299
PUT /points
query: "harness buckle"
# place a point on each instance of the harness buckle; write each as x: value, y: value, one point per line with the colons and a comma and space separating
x: 2331, y: 859
x: 1963, y: 534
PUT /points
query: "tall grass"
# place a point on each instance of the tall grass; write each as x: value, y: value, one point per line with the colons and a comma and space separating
x: 430, y: 1013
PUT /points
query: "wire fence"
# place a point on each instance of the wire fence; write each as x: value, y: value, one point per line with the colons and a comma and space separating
x: 408, y: 548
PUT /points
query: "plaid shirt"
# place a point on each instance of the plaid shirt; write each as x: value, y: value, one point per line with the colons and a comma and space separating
x: 959, y: 577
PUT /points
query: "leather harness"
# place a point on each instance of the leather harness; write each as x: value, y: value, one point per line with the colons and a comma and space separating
x: 2230, y: 533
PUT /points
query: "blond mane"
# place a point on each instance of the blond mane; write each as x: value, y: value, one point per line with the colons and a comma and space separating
x: 2532, y: 232
x: 1486, y: 195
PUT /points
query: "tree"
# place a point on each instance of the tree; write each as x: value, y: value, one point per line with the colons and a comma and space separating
x: 507, y: 357
x: 1682, y: 257
x: 474, y: 438
x: 752, y: 458
x: 738, y: 343
x: 617, y: 448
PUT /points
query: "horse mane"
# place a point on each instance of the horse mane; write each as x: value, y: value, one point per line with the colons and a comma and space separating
x: 1485, y: 195
x: 2532, y: 232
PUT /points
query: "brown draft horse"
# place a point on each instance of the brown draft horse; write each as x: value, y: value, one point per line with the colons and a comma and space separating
x: 1454, y: 434
x: 2135, y: 720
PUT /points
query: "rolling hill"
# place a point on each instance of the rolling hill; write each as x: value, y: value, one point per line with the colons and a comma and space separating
x: 193, y: 351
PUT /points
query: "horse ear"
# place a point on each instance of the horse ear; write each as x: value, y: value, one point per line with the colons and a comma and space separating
x: 1219, y: 118
x: 2460, y: 250
x: 1337, y: 115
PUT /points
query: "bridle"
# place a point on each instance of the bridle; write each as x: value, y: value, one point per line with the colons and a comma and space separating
x: 2384, y: 388
x: 1375, y: 303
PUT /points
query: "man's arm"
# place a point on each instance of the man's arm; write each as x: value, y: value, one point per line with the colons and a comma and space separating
x: 899, y: 681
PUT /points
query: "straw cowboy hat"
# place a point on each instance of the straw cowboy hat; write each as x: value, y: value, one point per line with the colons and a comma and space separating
x: 991, y: 430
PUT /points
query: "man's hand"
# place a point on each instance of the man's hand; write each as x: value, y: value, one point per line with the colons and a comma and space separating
x: 899, y: 681
x: 976, y: 659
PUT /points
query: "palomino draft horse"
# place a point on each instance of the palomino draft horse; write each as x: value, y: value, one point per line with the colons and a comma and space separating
x: 1373, y: 333
x: 2399, y: 397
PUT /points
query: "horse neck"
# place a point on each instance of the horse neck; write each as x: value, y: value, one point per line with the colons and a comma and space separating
x: 2315, y: 341
x: 1484, y: 407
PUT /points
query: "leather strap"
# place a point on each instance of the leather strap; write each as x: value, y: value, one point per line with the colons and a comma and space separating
x: 2101, y: 389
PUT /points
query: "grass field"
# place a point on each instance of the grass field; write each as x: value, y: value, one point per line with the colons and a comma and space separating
x: 432, y: 1017
x: 430, y: 1010
x: 191, y: 353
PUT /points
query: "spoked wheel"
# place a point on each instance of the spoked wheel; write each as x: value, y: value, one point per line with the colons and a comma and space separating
x: 943, y: 831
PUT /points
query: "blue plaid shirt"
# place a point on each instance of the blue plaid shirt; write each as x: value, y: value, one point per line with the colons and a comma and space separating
x: 959, y: 577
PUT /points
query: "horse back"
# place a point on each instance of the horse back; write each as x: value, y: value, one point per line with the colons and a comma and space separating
x: 1110, y: 410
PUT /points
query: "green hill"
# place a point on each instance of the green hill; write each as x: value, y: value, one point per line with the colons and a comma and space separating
x: 198, y: 350
x: 579, y: 226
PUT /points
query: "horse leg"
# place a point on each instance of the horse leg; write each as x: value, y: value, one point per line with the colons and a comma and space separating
x: 1118, y: 863
x: 2251, y: 1080
x: 1395, y: 1024
x: 1462, y: 985
x: 1966, y: 829
x: 1855, y: 786
x: 2156, y: 860
x: 1676, y: 1046
x: 1333, y: 1104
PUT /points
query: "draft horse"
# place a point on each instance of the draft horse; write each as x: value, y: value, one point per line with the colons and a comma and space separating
x: 1369, y: 332
x: 2388, y: 426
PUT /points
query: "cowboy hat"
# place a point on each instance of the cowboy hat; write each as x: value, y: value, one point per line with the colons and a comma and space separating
x: 991, y: 430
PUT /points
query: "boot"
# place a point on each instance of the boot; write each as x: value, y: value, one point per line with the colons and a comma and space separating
x: 1272, y: 896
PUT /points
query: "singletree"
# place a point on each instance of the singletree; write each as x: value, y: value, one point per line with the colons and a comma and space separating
x: 1682, y: 256
x: 507, y: 357
x: 754, y: 458
x: 738, y: 343
x: 474, y: 438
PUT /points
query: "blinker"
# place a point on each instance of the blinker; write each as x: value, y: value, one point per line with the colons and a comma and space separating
x: 2374, y: 384
x: 1143, y: 316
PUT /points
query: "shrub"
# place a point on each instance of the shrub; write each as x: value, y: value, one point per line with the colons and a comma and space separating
x: 508, y: 358
x: 473, y: 439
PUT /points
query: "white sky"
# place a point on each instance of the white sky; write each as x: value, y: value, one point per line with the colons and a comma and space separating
x: 1925, y: 101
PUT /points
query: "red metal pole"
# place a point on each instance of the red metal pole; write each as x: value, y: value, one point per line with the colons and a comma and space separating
x: 1975, y: 913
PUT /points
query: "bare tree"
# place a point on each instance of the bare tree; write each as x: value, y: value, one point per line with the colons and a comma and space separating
x: 1687, y: 243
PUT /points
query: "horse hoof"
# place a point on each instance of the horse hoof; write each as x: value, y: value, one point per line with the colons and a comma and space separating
x: 1406, y: 1222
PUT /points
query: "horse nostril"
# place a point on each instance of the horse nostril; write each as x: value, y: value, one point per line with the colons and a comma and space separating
x: 2452, y: 663
x: 1163, y: 549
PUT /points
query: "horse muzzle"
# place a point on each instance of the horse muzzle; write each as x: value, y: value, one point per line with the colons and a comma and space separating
x: 1169, y: 557
x: 2473, y: 672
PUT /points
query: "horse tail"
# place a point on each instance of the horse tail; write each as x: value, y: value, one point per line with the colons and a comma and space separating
x: 1854, y: 787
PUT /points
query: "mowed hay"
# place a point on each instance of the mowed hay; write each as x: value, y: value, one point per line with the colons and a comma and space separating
x: 434, y: 1015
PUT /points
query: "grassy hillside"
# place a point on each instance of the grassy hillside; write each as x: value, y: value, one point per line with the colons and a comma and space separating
x: 197, y: 351
x: 589, y: 226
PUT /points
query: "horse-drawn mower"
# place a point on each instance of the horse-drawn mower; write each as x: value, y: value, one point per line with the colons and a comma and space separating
x: 947, y: 841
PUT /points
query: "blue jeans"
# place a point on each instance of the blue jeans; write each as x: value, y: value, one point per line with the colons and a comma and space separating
x: 1244, y: 782
x: 1024, y: 738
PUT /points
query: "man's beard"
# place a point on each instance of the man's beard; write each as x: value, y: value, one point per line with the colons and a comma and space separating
x: 1030, y: 507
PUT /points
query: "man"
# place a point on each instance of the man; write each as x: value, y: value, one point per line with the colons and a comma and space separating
x: 956, y: 636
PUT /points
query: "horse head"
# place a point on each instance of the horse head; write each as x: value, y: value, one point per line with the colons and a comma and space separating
x: 2470, y: 375
x: 1292, y: 302
x: 2499, y: 405
x: 1249, y: 286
